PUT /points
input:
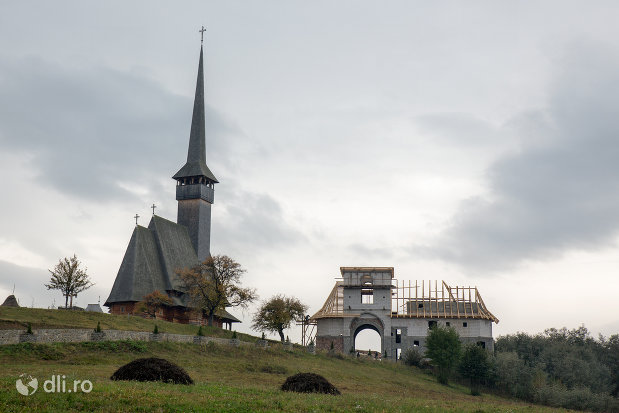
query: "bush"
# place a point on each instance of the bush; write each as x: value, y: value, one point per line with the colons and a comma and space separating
x: 557, y: 395
x: 412, y: 357
x: 29, y: 329
x: 200, y: 332
x: 156, y: 330
x: 98, y: 328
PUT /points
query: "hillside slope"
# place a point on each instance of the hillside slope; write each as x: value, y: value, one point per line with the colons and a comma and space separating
x: 243, y: 379
x: 18, y: 318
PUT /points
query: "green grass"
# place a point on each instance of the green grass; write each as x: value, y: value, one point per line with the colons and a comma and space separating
x: 229, y: 379
x: 18, y: 318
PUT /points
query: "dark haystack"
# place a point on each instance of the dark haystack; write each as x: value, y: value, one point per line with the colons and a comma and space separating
x: 309, y: 383
x: 152, y: 369
x: 10, y: 301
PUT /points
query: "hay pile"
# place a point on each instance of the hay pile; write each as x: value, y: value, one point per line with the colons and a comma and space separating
x: 152, y: 369
x: 309, y: 383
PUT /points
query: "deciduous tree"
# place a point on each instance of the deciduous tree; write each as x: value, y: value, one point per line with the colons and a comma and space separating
x: 68, y: 277
x: 215, y: 284
x: 277, y: 314
x: 443, y: 348
x: 153, y: 302
x: 474, y: 366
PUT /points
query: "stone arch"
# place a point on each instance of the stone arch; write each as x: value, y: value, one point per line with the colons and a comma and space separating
x: 367, y: 321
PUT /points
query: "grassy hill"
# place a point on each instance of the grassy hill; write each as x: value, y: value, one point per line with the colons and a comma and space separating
x: 228, y: 379
x: 18, y: 318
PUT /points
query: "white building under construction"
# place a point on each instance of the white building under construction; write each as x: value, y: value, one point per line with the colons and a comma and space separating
x: 400, y: 312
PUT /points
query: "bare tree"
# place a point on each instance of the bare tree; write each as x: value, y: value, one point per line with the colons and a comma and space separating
x: 277, y: 314
x: 215, y: 284
x: 69, y: 278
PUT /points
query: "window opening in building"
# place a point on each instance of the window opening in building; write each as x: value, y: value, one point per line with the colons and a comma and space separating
x: 367, y: 296
x: 431, y: 324
x: 465, y: 324
x: 416, y: 343
x: 398, y: 335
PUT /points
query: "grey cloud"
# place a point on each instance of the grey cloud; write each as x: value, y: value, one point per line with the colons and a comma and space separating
x: 557, y: 194
x: 252, y: 219
x: 90, y: 129
x: 371, y: 253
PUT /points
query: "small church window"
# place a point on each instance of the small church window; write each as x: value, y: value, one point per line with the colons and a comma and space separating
x: 431, y: 324
x: 465, y: 324
x: 447, y: 323
x: 122, y: 309
x: 416, y: 343
x: 398, y: 335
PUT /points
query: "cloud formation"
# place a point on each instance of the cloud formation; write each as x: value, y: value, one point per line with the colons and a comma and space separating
x: 560, y: 191
x: 97, y: 133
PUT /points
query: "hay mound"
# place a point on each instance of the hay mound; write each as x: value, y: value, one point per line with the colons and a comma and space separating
x: 152, y: 369
x: 309, y: 383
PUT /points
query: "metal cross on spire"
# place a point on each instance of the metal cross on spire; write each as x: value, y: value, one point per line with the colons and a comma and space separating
x: 136, y: 219
x: 202, y: 35
x: 153, y: 206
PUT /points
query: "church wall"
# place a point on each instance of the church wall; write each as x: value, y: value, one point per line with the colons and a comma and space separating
x: 125, y: 308
x: 179, y: 315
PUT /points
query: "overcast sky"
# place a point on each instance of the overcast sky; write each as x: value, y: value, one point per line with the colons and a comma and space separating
x: 472, y: 142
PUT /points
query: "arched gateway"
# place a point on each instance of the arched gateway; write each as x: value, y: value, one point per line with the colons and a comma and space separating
x: 364, y: 322
x: 402, y: 314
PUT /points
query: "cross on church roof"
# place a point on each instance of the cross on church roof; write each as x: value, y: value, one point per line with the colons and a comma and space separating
x: 153, y: 206
x: 136, y: 219
x: 202, y: 34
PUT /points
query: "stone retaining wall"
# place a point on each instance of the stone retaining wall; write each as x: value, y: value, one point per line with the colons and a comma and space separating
x: 66, y: 335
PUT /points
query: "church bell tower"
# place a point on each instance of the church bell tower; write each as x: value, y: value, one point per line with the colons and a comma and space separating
x: 195, y: 183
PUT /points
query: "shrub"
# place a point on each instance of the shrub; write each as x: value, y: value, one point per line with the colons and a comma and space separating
x: 29, y: 329
x: 156, y: 330
x: 234, y: 336
x: 200, y: 332
x: 98, y: 328
x: 412, y: 357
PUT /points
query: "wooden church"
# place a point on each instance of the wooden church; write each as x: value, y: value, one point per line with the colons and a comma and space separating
x: 156, y: 252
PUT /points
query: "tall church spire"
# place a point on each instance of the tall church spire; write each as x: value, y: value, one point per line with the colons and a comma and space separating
x: 196, y: 154
x: 195, y: 189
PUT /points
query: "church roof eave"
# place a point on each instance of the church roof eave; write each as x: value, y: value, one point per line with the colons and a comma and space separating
x: 195, y: 169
